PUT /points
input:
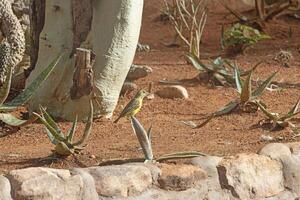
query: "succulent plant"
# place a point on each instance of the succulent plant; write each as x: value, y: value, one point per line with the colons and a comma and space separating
x: 247, y: 97
x: 144, y: 138
x: 277, y: 120
x: 238, y: 37
x: 220, y: 72
x: 23, y: 97
x: 64, y: 144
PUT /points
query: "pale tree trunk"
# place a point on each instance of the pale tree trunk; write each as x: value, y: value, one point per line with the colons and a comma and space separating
x: 110, y: 28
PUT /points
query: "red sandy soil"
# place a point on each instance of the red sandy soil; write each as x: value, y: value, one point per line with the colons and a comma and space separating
x: 225, y: 135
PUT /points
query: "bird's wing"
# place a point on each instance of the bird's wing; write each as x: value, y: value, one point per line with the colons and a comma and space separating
x: 132, y: 105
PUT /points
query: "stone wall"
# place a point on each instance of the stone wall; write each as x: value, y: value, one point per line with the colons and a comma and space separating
x: 271, y: 174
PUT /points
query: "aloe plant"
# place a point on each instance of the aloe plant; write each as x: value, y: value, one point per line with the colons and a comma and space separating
x: 64, y: 144
x: 144, y: 138
x: 247, y: 97
x: 277, y: 120
x: 220, y: 72
x: 23, y: 97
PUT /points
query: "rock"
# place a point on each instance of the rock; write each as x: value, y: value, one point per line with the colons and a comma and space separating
x: 142, y: 47
x: 5, y: 189
x: 251, y: 176
x: 291, y: 172
x: 120, y: 180
x: 45, y: 183
x: 180, y: 177
x: 266, y: 138
x: 207, y: 163
x: 275, y: 151
x: 286, y: 195
x: 136, y: 72
x: 150, y: 96
x: 128, y: 87
x: 294, y: 147
x: 154, y: 169
x: 89, y: 190
x: 173, y: 92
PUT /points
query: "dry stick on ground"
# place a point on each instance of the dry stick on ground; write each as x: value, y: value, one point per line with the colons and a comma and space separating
x: 13, y: 47
x: 264, y: 13
x: 185, y: 18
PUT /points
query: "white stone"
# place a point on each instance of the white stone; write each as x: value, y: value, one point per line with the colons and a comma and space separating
x: 251, y: 176
x: 4, y: 188
x: 120, y: 180
x: 45, y: 184
x: 173, y: 92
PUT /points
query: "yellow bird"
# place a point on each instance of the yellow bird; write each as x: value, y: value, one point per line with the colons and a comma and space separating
x: 134, y: 106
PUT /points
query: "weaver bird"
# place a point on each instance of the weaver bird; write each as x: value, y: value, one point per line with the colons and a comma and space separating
x: 134, y: 106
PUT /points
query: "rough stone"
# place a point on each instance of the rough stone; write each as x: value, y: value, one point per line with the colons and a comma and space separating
x: 180, y: 177
x: 294, y: 147
x: 173, y: 92
x: 89, y: 190
x: 5, y: 188
x: 275, y: 151
x: 45, y: 183
x: 120, y: 180
x: 251, y: 176
x: 142, y: 47
x: 136, y: 72
x: 291, y: 172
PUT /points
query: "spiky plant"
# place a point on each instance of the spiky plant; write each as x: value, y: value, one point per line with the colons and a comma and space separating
x: 64, y: 144
x: 280, y: 122
x: 238, y: 37
x: 23, y: 97
x: 219, y: 72
x: 144, y: 138
x: 247, y: 98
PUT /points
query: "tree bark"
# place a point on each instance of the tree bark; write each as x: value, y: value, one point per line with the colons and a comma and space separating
x: 108, y: 28
x: 12, y: 47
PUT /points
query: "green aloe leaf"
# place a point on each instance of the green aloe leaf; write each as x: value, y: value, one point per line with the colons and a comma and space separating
x: 11, y: 120
x: 294, y: 109
x: 71, y: 132
x: 258, y: 92
x: 143, y: 138
x: 246, y: 89
x: 4, y: 90
x: 227, y: 109
x: 51, y: 137
x: 246, y: 73
x: 149, y: 135
x: 180, y: 155
x: 52, y: 130
x: 88, y: 127
x: 194, y: 61
x: 7, y: 108
x: 25, y: 96
x: 205, y: 122
x: 270, y: 115
x: 63, y: 149
x: 221, y: 80
x: 51, y: 121
x: 238, y: 81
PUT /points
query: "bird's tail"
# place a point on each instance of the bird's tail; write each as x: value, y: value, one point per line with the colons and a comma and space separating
x: 116, y: 121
